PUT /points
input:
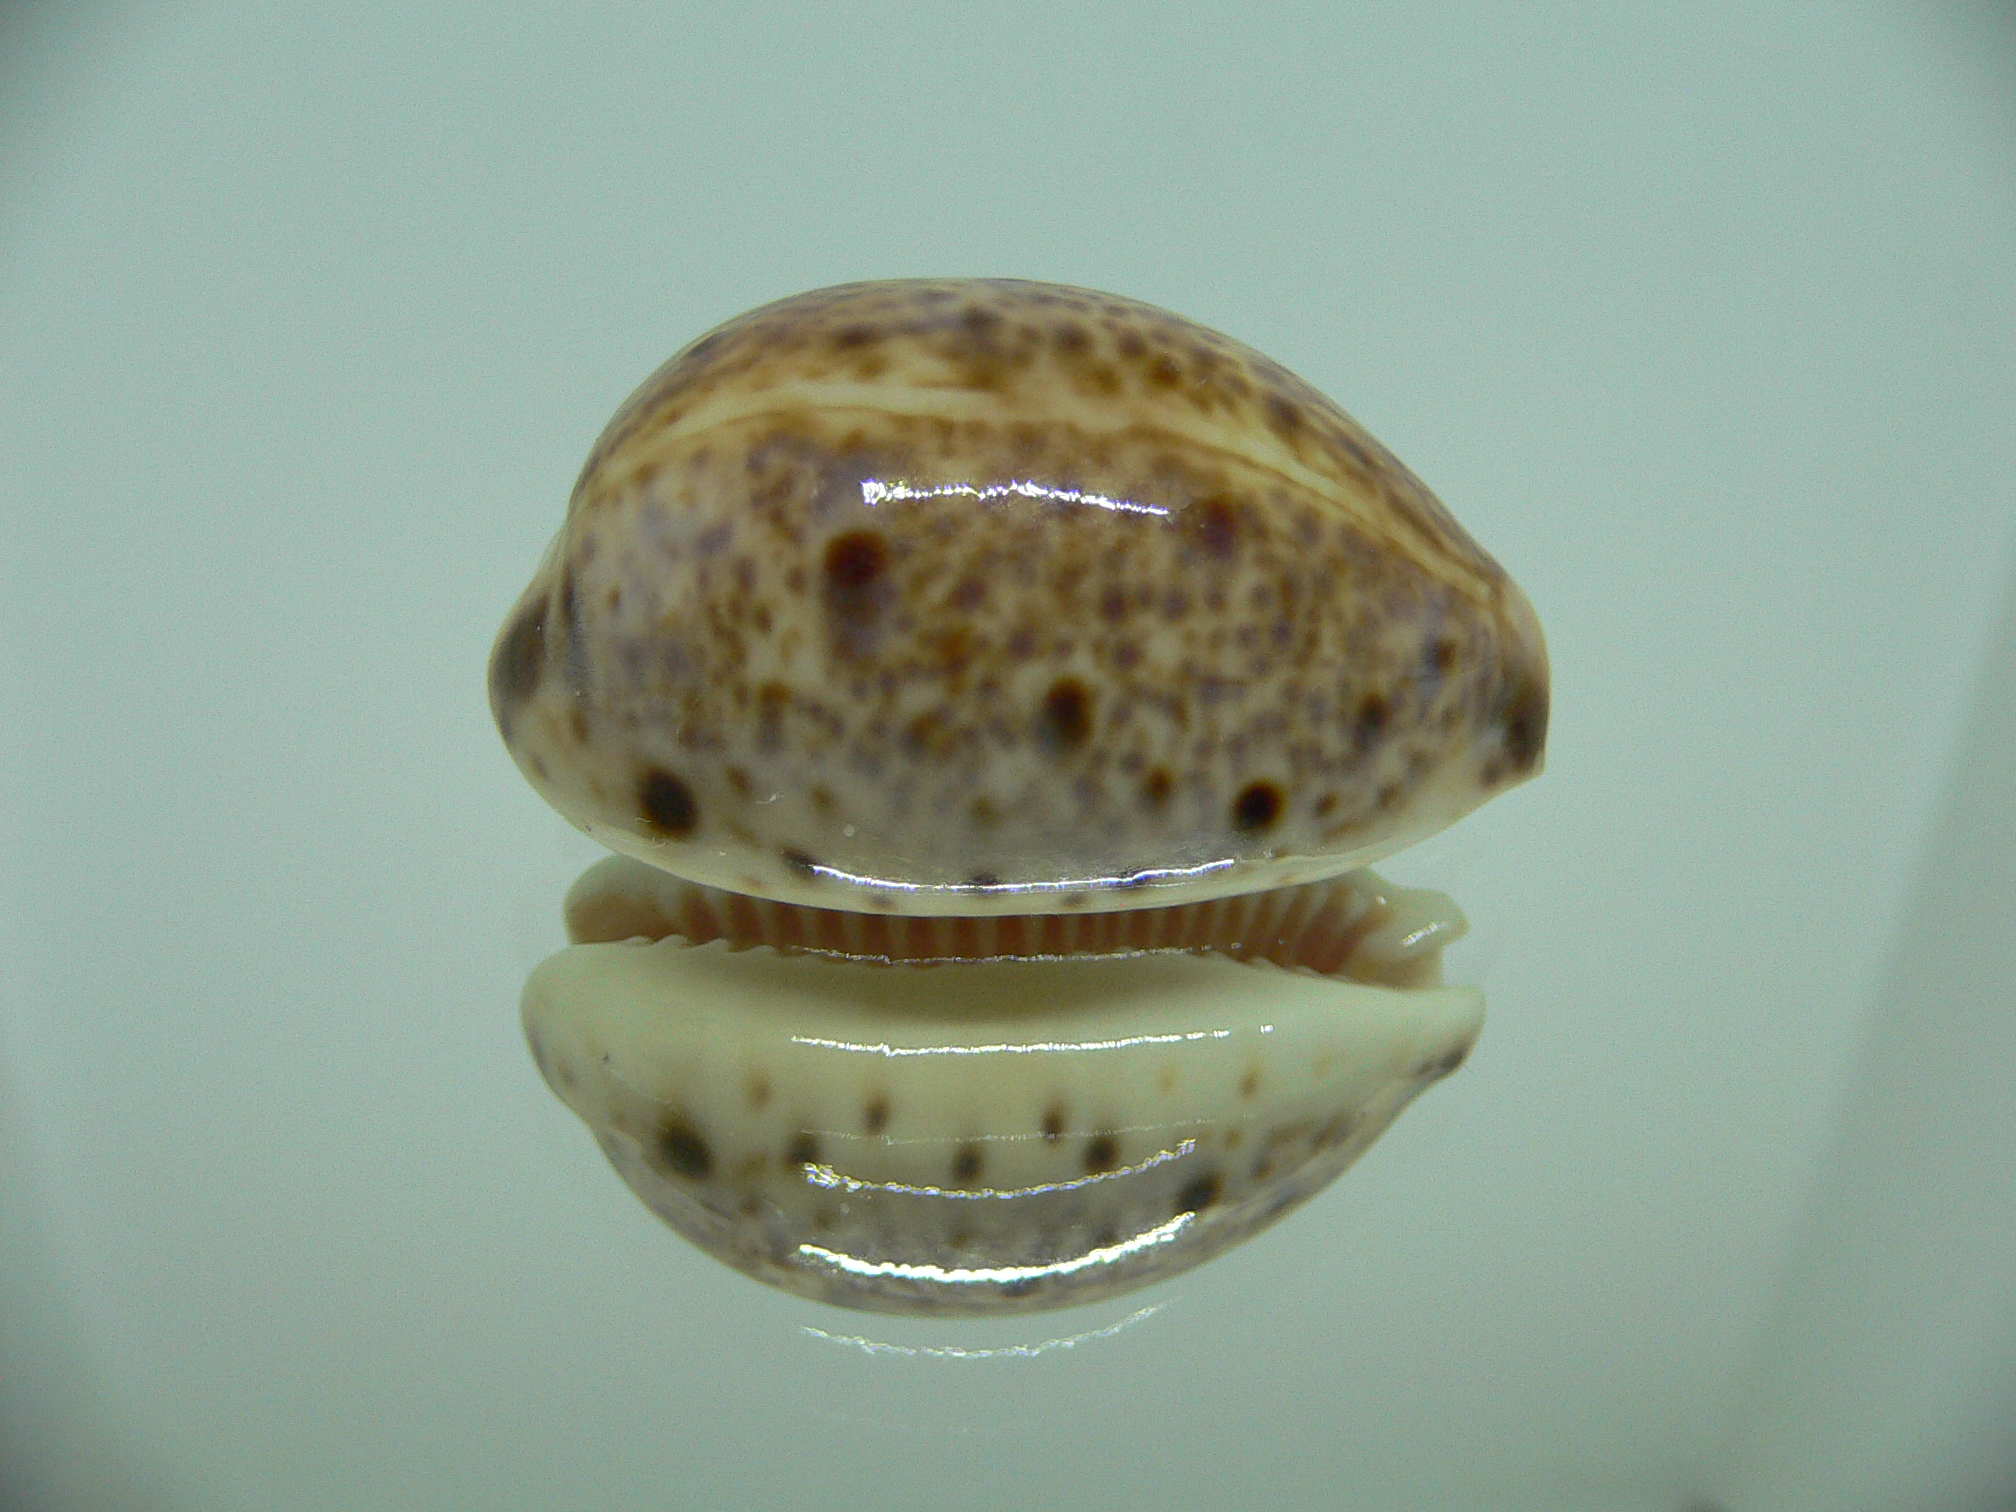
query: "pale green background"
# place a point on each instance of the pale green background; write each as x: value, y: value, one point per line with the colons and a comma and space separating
x: 1701, y: 317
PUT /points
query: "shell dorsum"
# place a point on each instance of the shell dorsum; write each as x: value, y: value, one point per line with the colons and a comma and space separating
x: 972, y: 597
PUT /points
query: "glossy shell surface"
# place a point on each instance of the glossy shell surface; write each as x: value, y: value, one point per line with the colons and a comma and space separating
x: 976, y: 597
x: 982, y: 1136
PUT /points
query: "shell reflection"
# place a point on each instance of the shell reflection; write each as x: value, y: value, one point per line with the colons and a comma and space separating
x: 933, y: 1134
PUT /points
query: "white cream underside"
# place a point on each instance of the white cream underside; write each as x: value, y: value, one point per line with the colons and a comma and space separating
x: 1152, y: 1044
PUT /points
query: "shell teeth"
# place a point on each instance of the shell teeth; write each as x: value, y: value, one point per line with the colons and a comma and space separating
x: 1356, y: 926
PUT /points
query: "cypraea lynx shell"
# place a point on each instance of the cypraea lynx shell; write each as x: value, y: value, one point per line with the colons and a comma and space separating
x: 994, y: 676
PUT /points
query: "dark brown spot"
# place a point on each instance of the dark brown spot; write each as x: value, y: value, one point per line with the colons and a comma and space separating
x: 1066, y: 717
x: 803, y: 1150
x: 1213, y: 524
x: 666, y: 804
x: 875, y: 1116
x: 1441, y: 656
x: 683, y: 1149
x: 986, y: 879
x: 1102, y: 1153
x: 1156, y: 787
x: 759, y: 1091
x: 800, y: 863
x: 1369, y: 720
x: 519, y: 660
x: 1250, y: 1082
x: 738, y: 780
x: 1525, y: 724
x: 856, y: 566
x: 1256, y: 808
x: 967, y: 1164
x: 1071, y: 340
x: 848, y: 337
x: 1283, y: 414
x: 1201, y: 1193
x: 1053, y: 1122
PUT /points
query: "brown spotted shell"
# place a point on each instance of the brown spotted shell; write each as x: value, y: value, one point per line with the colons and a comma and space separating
x: 986, y: 596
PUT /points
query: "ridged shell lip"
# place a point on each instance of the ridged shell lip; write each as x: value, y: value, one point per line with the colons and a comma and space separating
x: 1355, y: 927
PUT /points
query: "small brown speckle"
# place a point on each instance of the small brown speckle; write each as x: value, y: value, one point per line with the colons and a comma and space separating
x: 684, y: 1150
x: 800, y: 863
x: 1102, y: 1153
x: 803, y: 1150
x: 1053, y: 1123
x: 1249, y: 1084
x: 856, y: 565
x: 1284, y: 415
x: 875, y: 1115
x: 1066, y: 717
x: 759, y: 1091
x: 1213, y: 524
x: 1369, y: 719
x: 1201, y: 1193
x: 967, y: 1164
x: 1156, y: 787
x: 985, y: 879
x: 1256, y: 808
x: 666, y: 805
